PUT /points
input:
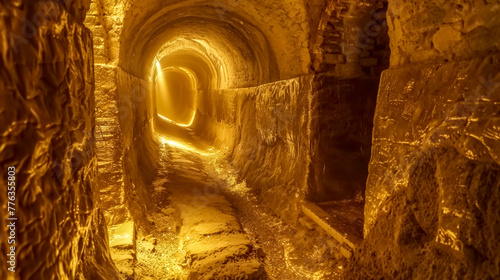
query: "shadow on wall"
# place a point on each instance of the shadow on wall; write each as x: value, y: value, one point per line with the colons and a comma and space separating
x: 342, y: 124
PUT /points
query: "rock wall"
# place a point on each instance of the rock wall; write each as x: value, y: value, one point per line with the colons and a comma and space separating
x: 442, y: 30
x: 434, y: 185
x: 433, y: 188
x: 123, y: 117
x: 140, y: 148
x: 304, y: 138
x: 109, y: 146
x: 48, y: 135
x: 126, y: 148
x: 265, y: 130
x: 351, y: 39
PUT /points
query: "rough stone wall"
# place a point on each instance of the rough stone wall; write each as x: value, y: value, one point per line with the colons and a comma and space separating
x: 127, y: 150
x: 123, y: 114
x: 442, y: 30
x: 351, y: 39
x: 304, y: 138
x: 266, y: 129
x: 139, y: 146
x: 108, y: 131
x: 315, y: 10
x: 109, y: 145
x: 47, y: 128
x: 105, y: 20
x: 433, y: 188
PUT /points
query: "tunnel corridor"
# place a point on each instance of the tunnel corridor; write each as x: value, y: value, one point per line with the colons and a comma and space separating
x: 221, y: 105
x: 250, y: 139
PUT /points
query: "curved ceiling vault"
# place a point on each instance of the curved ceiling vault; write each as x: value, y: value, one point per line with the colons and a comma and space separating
x: 232, y: 45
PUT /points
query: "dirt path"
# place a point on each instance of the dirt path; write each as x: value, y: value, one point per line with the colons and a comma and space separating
x: 210, y: 226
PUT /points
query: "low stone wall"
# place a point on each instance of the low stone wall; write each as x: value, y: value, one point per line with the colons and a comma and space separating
x: 266, y: 131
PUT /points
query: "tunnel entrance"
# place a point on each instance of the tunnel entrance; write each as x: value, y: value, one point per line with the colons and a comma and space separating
x: 175, y: 95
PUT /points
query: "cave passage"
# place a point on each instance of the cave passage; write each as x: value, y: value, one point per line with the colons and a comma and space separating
x: 175, y: 95
x: 249, y: 139
x: 222, y: 114
x: 203, y: 210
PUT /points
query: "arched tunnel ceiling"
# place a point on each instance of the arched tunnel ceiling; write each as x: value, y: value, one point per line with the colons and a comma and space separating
x: 175, y: 95
x: 256, y: 42
x: 206, y: 73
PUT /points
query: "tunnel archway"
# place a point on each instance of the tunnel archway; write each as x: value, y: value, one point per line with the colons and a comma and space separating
x: 96, y: 191
x: 175, y: 95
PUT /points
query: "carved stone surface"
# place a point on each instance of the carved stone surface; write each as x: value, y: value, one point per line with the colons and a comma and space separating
x: 47, y: 131
x: 442, y: 30
x: 266, y: 130
x: 434, y: 184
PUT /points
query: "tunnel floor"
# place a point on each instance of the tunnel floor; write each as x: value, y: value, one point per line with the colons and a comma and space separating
x: 209, y: 225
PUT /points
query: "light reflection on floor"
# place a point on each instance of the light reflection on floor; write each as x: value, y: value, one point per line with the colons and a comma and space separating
x: 184, y: 156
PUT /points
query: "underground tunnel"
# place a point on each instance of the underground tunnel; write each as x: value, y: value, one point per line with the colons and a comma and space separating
x: 250, y: 139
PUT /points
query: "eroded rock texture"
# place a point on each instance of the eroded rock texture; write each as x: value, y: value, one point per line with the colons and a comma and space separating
x: 108, y: 131
x: 289, y: 95
x: 265, y: 130
x: 47, y: 128
x: 442, y: 30
x: 433, y: 190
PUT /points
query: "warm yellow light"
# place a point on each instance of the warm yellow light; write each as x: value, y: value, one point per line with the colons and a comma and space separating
x: 176, y: 123
x: 170, y: 142
x: 160, y: 80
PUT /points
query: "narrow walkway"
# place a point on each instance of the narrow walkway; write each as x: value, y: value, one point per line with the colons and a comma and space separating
x: 211, y: 226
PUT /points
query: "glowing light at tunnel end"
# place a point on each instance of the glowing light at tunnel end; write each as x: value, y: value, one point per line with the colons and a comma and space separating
x: 176, y: 123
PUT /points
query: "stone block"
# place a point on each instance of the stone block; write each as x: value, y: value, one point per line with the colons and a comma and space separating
x: 334, y: 58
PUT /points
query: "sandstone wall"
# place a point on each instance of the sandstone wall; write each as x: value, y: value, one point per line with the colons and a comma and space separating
x: 266, y: 132
x: 433, y: 188
x: 140, y: 149
x: 350, y: 39
x: 125, y: 144
x: 109, y: 146
x: 48, y: 134
x: 304, y: 138
x: 126, y: 149
x: 442, y: 30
